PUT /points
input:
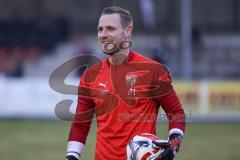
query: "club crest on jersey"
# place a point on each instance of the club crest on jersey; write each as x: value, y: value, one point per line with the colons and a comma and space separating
x: 131, y: 79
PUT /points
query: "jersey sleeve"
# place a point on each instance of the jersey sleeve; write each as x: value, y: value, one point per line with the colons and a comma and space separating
x: 174, y: 112
x: 81, y: 122
x: 171, y: 104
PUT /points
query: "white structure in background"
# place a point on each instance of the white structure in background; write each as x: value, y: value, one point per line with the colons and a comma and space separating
x: 148, y: 14
x: 33, y: 98
x: 186, y: 38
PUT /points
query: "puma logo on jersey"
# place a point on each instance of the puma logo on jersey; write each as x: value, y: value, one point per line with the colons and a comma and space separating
x: 103, y: 91
x: 103, y: 85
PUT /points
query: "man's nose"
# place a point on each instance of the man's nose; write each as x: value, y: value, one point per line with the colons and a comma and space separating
x: 104, y: 34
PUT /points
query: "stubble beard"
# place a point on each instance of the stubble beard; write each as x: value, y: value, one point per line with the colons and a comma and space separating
x: 110, y: 51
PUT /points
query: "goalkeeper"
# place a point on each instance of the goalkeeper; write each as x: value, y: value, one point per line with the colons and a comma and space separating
x: 122, y: 91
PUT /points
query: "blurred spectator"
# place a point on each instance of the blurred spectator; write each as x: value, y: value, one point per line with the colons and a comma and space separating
x: 82, y: 48
x: 44, y: 32
x: 51, y: 30
x: 23, y: 40
x: 196, y: 37
x: 161, y: 53
x: 196, y: 42
x: 81, y: 45
x: 11, y: 63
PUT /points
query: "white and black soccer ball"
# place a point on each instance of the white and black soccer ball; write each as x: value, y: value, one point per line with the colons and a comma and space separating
x: 140, y: 147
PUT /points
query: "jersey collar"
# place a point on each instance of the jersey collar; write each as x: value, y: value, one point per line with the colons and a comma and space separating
x: 129, y: 58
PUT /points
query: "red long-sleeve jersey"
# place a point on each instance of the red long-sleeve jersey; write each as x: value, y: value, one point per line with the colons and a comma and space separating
x: 125, y: 99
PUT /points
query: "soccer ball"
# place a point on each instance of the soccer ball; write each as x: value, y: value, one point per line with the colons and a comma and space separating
x: 140, y: 147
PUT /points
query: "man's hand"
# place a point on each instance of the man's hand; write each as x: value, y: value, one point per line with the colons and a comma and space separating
x: 175, y: 140
x: 170, y: 148
x: 71, y: 158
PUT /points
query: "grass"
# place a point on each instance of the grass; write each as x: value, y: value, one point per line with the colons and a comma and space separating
x: 46, y: 140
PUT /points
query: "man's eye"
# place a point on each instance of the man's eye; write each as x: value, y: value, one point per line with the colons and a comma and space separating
x: 111, y: 28
x: 99, y: 29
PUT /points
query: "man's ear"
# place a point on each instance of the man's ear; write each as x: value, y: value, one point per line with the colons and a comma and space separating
x: 128, y: 32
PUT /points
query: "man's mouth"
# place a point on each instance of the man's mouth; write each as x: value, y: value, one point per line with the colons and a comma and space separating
x: 109, y: 47
x: 106, y: 42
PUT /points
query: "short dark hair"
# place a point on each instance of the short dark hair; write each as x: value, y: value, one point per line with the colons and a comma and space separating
x: 124, y: 14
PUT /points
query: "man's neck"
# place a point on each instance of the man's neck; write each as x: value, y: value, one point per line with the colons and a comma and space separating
x: 118, y: 57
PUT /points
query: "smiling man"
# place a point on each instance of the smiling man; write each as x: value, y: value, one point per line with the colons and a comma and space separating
x: 125, y: 92
x: 113, y: 30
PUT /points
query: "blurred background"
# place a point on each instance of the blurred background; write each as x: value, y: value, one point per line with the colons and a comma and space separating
x: 198, y: 40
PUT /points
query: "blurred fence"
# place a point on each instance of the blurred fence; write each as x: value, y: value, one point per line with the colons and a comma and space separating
x: 202, y: 100
x: 210, y: 100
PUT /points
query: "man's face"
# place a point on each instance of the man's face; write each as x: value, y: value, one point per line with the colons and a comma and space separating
x: 111, y: 33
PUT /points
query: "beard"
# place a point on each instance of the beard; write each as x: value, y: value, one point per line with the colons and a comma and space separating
x: 110, y: 48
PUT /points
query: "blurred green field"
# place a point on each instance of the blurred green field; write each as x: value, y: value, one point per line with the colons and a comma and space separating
x: 46, y: 140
